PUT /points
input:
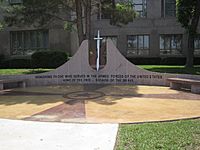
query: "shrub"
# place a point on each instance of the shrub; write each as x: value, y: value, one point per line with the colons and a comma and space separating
x: 173, y: 61
x: 1, y: 58
x: 162, y: 61
x: 16, y: 63
x: 48, y: 59
x: 197, y: 61
x: 145, y: 61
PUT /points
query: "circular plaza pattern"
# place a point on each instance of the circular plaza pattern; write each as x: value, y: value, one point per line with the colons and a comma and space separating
x: 83, y: 95
x: 98, y: 104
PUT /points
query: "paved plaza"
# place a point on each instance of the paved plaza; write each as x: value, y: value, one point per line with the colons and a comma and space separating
x: 98, y: 104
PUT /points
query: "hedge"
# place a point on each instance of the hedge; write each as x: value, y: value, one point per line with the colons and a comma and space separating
x: 16, y: 63
x: 40, y: 59
x: 48, y: 59
x: 54, y: 59
x: 162, y: 61
x: 2, y: 57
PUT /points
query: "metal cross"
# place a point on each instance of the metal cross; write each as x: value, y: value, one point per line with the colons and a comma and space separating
x: 98, y: 39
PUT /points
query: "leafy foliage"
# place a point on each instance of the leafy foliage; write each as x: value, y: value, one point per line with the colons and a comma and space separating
x: 1, y: 26
x: 36, y: 12
x: 188, y: 15
x: 123, y: 13
x: 120, y: 13
x: 187, y: 11
x: 68, y: 26
x: 48, y: 59
x: 16, y: 63
x: 42, y: 13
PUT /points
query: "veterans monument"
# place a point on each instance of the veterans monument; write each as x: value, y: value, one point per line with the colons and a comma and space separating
x: 98, y: 50
x: 118, y: 70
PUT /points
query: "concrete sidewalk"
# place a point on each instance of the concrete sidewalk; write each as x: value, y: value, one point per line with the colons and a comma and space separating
x: 25, y: 135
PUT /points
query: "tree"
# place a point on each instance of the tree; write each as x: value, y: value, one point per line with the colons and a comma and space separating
x: 83, y: 13
x: 41, y: 13
x: 188, y: 15
x: 1, y: 26
x: 119, y: 13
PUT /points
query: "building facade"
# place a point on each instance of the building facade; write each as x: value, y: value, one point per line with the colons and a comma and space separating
x: 24, y: 41
x: 155, y: 32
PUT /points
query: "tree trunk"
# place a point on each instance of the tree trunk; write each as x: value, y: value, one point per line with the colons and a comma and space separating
x: 88, y: 19
x: 112, y: 19
x: 191, y: 34
x: 190, y: 52
x: 79, y: 14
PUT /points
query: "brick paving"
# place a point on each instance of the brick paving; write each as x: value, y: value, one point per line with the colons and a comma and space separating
x: 99, y: 104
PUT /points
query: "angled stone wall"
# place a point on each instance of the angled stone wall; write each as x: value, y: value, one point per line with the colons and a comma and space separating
x: 118, y: 70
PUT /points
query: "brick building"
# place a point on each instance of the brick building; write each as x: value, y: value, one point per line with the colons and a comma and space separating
x: 154, y: 33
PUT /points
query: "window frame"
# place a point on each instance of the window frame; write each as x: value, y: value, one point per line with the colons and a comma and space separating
x: 171, y: 49
x: 163, y: 9
x: 11, y: 2
x: 29, y: 41
x: 197, y: 50
x: 138, y: 51
x: 144, y: 8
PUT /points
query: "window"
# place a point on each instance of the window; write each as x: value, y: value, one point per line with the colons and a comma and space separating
x: 26, y: 42
x: 138, y: 45
x: 168, y: 8
x: 197, y: 45
x: 171, y: 44
x: 14, y: 2
x: 140, y: 6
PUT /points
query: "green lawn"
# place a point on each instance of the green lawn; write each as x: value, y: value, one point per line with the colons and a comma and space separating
x: 22, y: 71
x: 163, y: 69
x: 172, y: 69
x: 180, y: 135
